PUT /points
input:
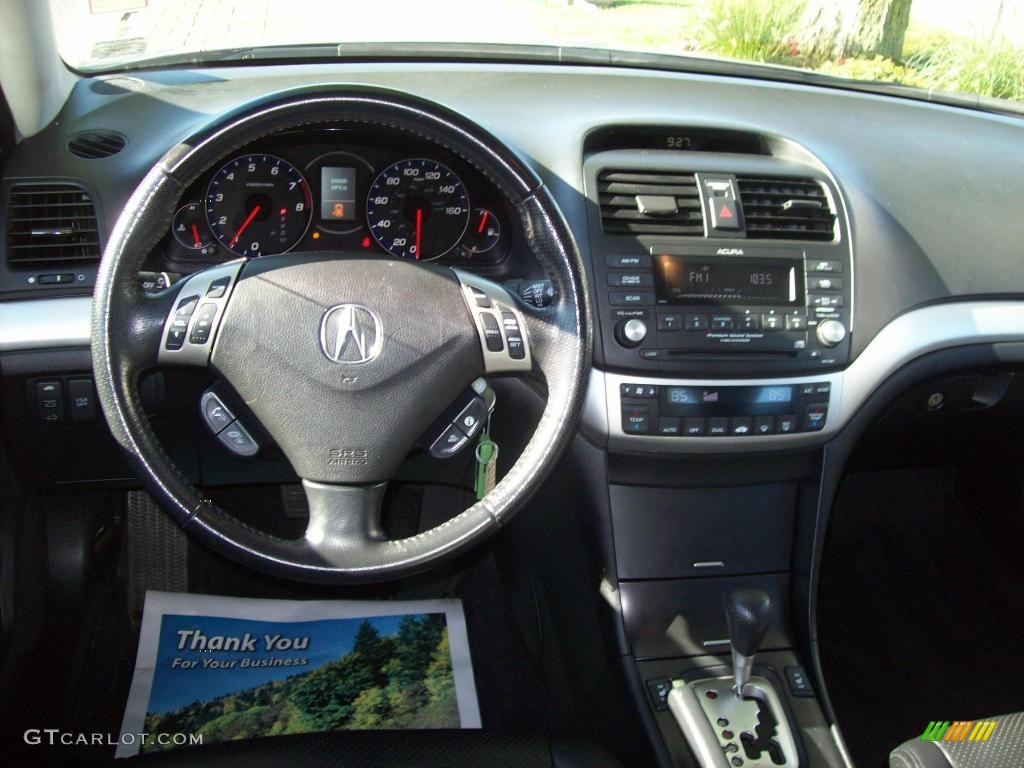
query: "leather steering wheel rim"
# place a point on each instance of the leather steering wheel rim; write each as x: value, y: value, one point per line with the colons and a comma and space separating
x: 346, y: 545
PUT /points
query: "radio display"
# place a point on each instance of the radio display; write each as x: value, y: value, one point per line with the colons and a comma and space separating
x: 700, y: 401
x: 728, y: 281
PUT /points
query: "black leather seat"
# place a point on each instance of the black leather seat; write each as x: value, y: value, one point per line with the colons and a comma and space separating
x: 385, y: 749
x: 1004, y: 748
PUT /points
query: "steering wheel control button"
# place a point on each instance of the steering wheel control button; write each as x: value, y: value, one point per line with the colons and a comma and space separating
x: 238, y: 440
x: 492, y: 333
x: 179, y: 322
x: 50, y: 402
x: 471, y: 419
x: 215, y: 413
x: 451, y: 441
x: 482, y: 299
x: 513, y: 336
x: 218, y: 288
x: 203, y: 325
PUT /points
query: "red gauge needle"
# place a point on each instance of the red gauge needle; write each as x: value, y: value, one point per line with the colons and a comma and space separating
x: 245, y: 224
x: 419, y: 230
x: 483, y: 223
x: 195, y: 236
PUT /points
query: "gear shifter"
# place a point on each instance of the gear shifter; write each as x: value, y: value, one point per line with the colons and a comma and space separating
x: 748, y: 611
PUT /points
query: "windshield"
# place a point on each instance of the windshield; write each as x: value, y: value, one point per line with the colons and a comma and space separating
x: 974, y: 49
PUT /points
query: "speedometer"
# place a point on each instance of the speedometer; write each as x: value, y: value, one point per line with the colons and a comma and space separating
x: 417, y: 209
x: 258, y: 205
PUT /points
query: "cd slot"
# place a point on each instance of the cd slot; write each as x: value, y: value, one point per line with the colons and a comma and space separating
x: 677, y: 354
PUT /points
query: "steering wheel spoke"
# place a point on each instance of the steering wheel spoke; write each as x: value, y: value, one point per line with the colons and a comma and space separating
x: 192, y: 319
x: 343, y: 518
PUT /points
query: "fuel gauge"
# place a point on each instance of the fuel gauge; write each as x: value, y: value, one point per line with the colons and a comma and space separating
x: 191, y: 230
x: 483, y: 232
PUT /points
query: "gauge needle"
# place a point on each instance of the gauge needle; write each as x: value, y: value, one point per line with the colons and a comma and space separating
x: 246, y: 223
x: 419, y: 230
x: 195, y: 236
x: 483, y: 223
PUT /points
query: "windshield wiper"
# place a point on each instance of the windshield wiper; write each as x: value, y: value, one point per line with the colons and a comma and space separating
x: 546, y: 54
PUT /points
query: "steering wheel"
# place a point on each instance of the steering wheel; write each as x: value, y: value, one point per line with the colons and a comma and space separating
x: 333, y: 353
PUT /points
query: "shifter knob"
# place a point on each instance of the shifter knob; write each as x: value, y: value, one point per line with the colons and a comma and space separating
x: 748, y: 611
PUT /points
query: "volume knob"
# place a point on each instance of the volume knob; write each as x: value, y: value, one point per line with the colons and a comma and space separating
x: 629, y: 333
x: 831, y: 332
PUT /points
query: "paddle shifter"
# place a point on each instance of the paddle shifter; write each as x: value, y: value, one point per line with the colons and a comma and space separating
x: 748, y: 611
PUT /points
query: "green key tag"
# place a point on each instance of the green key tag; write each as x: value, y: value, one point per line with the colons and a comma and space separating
x: 486, y: 465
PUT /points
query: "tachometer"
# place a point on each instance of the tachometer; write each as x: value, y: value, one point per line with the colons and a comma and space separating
x: 258, y: 205
x: 417, y: 209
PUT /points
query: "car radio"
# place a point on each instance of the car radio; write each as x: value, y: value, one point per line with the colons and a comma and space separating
x: 754, y: 306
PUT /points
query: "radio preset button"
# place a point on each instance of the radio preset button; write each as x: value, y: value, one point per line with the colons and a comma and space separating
x: 750, y: 323
x: 636, y: 420
x: 722, y: 322
x: 668, y: 425
x: 670, y: 322
x: 718, y: 426
x: 772, y: 322
x: 639, y: 279
x: 642, y: 261
x: 631, y: 298
x: 834, y: 267
x: 796, y: 323
x: 696, y: 322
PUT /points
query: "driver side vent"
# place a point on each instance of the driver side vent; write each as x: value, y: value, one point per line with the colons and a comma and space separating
x: 51, y: 224
x: 785, y: 209
x: 649, y: 203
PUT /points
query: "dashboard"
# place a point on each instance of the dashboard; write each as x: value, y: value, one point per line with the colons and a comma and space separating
x: 338, y: 189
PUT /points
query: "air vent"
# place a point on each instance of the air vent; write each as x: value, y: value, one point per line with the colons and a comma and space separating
x: 51, y: 225
x: 785, y: 209
x: 93, y: 145
x: 649, y: 203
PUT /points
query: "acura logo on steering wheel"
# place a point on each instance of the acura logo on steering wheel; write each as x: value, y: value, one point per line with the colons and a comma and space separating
x: 350, y: 334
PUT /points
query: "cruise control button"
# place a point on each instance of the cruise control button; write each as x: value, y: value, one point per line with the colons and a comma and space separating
x: 449, y: 443
x: 203, y: 324
x: 471, y: 419
x: 179, y: 322
x: 238, y: 440
x: 492, y: 333
x: 482, y: 299
x: 513, y: 336
x: 215, y: 413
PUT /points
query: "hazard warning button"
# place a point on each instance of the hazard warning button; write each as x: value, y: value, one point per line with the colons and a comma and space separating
x: 720, y: 198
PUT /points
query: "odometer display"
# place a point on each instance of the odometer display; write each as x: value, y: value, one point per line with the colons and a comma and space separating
x: 417, y: 209
x: 258, y: 205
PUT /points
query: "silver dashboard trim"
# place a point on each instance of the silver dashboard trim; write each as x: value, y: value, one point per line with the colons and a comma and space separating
x: 45, y: 323
x: 909, y: 336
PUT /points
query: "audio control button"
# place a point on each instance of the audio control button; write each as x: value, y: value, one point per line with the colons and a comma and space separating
x: 639, y: 261
x: 624, y: 279
x: 696, y: 322
x: 772, y: 322
x: 825, y: 283
x: 631, y: 298
x: 750, y: 323
x: 630, y: 333
x: 796, y: 323
x: 722, y: 322
x: 834, y: 267
x: 670, y: 322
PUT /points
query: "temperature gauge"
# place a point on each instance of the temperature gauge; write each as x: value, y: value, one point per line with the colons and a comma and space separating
x: 483, y: 232
x: 191, y: 230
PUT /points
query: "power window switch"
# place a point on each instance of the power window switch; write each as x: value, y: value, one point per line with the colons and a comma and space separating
x: 50, y: 402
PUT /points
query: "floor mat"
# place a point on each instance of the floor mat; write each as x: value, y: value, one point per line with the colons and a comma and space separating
x: 919, y: 616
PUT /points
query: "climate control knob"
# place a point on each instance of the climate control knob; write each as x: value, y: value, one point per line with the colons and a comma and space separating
x: 830, y: 332
x: 629, y: 333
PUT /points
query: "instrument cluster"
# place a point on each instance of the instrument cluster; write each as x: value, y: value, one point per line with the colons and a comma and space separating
x: 341, y: 190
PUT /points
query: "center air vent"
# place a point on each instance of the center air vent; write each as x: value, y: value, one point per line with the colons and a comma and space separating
x: 51, y: 225
x: 93, y: 145
x: 785, y: 209
x: 649, y: 203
